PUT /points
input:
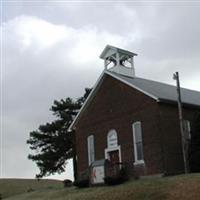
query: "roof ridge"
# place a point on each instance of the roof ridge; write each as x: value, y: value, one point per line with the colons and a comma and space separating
x: 167, y: 84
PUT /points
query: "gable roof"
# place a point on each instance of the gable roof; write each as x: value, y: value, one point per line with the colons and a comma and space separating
x: 162, y: 91
x: 156, y: 90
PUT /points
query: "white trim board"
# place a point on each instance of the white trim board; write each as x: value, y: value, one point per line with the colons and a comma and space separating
x: 107, y: 150
x: 86, y: 101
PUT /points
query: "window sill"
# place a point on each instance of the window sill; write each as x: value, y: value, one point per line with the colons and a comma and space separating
x: 139, y: 162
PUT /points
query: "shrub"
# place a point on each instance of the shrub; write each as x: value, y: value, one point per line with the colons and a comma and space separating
x: 84, y: 180
x: 118, y: 179
x: 112, y: 180
x: 67, y: 183
x: 82, y: 183
x: 30, y: 190
x: 123, y: 175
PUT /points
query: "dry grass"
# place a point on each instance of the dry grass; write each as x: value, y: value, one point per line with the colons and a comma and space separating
x: 10, y: 187
x: 184, y: 187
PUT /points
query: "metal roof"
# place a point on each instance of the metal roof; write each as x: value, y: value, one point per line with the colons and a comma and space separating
x: 156, y: 90
x: 160, y: 90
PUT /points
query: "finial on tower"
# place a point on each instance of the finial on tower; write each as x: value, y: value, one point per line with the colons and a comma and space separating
x: 121, y: 60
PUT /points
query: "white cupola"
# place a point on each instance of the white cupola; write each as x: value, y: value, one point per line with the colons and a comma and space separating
x: 118, y: 60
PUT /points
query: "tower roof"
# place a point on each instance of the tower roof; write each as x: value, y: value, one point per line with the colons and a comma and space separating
x: 118, y: 60
x: 109, y: 50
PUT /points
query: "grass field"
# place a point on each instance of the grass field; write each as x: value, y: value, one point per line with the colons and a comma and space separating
x: 12, y: 187
x: 182, y: 187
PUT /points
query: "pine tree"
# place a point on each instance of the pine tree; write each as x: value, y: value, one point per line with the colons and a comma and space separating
x: 52, y: 143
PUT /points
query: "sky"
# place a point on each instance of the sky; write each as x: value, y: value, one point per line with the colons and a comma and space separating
x: 50, y: 50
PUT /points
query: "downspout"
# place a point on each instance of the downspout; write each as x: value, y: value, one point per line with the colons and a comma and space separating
x: 74, y: 154
x: 162, y: 138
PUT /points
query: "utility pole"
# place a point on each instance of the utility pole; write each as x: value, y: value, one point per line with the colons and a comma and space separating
x: 176, y: 77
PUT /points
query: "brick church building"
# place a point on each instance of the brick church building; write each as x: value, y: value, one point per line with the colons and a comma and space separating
x: 127, y: 119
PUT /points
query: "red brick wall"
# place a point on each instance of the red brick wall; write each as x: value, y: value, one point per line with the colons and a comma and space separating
x: 171, y: 136
x: 117, y: 106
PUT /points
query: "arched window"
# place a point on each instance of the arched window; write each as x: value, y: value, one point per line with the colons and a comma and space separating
x: 90, y: 143
x: 112, y: 140
x: 137, y: 142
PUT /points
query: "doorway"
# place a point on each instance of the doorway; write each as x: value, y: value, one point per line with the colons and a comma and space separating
x: 114, y: 157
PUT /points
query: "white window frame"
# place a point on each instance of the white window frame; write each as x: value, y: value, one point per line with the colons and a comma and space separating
x: 108, y: 150
x: 113, y: 148
x: 136, y: 162
x: 91, y: 154
x: 109, y: 144
x: 187, y: 128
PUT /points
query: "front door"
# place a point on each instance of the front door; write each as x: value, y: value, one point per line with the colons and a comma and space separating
x: 114, y: 157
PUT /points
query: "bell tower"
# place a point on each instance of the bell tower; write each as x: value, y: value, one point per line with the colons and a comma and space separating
x: 118, y: 60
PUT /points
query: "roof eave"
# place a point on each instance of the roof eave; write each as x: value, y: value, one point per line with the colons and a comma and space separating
x: 102, y: 56
x: 74, y: 122
x: 172, y: 102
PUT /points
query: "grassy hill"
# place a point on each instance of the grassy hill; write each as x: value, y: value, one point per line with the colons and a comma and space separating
x: 184, y: 187
x: 12, y: 187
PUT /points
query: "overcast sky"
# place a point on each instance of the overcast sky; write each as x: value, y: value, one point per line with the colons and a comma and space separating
x: 50, y: 50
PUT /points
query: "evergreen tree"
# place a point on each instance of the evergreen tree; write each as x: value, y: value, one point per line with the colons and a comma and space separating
x: 52, y: 143
x: 194, y: 153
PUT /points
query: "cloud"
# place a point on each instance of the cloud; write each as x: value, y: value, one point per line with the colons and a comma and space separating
x: 38, y: 35
x: 43, y: 62
x: 50, y: 51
